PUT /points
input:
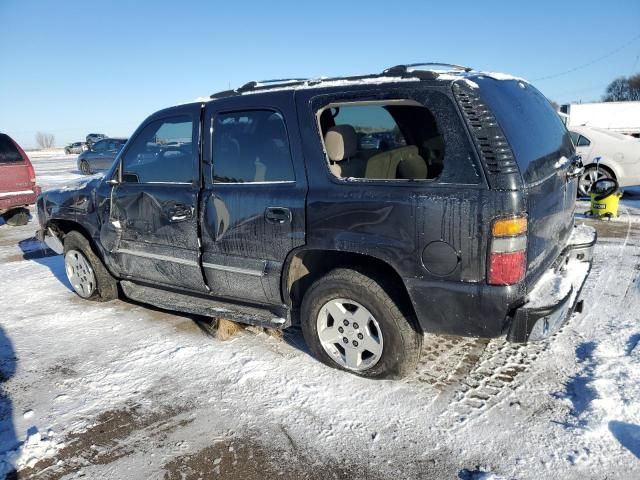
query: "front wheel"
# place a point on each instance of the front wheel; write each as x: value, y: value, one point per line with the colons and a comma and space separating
x: 352, y: 322
x: 590, y: 176
x: 86, y: 273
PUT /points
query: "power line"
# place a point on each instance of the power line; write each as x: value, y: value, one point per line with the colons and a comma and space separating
x: 579, y: 67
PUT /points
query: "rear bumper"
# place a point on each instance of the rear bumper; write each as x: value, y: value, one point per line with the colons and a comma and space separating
x: 22, y: 198
x: 556, y: 295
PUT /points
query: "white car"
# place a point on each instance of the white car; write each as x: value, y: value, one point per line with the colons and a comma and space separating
x: 619, y: 156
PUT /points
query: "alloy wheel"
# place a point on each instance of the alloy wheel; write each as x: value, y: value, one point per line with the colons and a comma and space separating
x: 80, y: 273
x: 349, y: 334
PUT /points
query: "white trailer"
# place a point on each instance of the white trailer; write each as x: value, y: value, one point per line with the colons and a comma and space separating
x: 622, y: 117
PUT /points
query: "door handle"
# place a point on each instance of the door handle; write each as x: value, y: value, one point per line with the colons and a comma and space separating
x: 277, y: 215
x: 180, y: 213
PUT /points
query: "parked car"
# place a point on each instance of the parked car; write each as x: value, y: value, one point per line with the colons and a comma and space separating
x: 259, y: 206
x: 18, y: 187
x: 76, y: 147
x: 100, y: 155
x: 618, y: 156
x: 94, y: 137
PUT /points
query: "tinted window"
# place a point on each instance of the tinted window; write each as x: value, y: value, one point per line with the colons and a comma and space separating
x: 162, y: 152
x: 8, y: 151
x: 100, y: 146
x: 116, y: 144
x: 251, y: 146
x: 533, y: 129
x: 583, y: 142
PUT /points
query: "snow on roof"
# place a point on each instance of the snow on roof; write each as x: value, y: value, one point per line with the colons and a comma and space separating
x: 324, y: 82
x: 320, y: 83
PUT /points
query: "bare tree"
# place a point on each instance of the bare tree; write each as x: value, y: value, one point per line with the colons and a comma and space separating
x: 623, y: 89
x: 45, y: 140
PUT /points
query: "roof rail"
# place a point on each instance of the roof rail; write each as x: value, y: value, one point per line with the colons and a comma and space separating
x: 259, y: 84
x: 403, y: 69
x: 398, y: 70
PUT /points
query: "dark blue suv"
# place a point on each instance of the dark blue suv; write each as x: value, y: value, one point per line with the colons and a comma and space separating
x: 263, y: 205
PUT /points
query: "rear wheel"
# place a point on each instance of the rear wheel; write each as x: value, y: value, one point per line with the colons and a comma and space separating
x: 84, y: 167
x: 16, y: 217
x: 352, y: 322
x: 589, y: 177
x: 87, y: 274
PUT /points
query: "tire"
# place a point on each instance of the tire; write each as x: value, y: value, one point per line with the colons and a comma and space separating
x: 16, y: 217
x: 590, y: 175
x: 397, y: 336
x: 85, y: 168
x: 81, y: 261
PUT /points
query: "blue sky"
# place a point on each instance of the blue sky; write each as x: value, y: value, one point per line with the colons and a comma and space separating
x: 74, y: 67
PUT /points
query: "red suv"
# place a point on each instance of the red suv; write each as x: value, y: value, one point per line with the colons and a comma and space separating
x: 18, y: 187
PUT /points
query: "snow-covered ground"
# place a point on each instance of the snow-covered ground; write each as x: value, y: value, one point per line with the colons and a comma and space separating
x: 118, y: 390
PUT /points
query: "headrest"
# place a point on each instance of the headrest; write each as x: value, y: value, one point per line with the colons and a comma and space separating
x: 341, y: 142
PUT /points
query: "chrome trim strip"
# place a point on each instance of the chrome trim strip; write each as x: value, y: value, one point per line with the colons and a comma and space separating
x: 21, y: 192
x: 271, y: 182
x: 226, y: 268
x: 155, y: 256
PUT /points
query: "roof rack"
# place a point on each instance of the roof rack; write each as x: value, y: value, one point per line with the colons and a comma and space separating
x: 285, y: 82
x: 404, y: 69
x: 398, y: 70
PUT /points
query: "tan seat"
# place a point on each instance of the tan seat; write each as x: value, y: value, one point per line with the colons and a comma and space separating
x: 412, y: 165
x: 341, y: 143
x: 403, y: 162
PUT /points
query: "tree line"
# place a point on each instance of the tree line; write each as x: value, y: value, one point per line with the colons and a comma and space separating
x: 623, y: 89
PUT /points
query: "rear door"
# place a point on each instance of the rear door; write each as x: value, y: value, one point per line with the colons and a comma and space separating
x: 155, y: 205
x: 14, y: 174
x: 544, y: 152
x: 253, y: 203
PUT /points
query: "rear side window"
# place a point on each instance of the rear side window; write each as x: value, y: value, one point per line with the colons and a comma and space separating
x: 382, y: 141
x: 583, y: 142
x: 535, y: 132
x: 8, y: 151
x: 162, y: 153
x: 251, y: 147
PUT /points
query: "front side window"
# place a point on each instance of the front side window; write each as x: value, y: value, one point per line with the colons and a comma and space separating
x: 583, y: 142
x: 162, y: 152
x: 393, y: 141
x: 251, y: 146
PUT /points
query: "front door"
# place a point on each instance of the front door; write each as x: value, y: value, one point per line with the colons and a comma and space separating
x: 156, y: 204
x: 254, y: 196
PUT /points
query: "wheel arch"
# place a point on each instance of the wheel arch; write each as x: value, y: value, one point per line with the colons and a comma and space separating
x: 63, y: 227
x: 305, y: 266
x: 604, y: 164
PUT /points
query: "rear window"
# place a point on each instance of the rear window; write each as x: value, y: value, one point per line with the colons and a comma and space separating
x: 8, y: 151
x: 535, y: 132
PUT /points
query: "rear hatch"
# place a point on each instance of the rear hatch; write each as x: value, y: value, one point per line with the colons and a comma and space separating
x: 543, y: 151
x: 16, y: 173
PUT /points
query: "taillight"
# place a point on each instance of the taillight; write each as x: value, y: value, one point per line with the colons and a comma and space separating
x: 508, y: 251
x: 32, y: 173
